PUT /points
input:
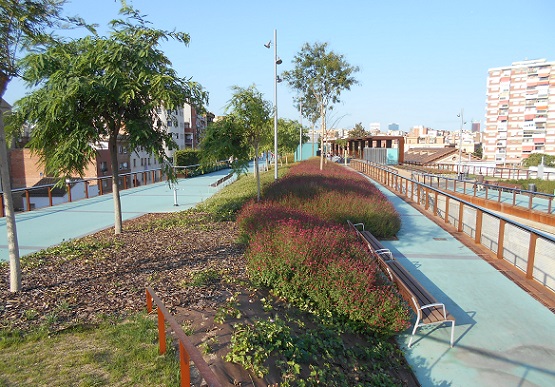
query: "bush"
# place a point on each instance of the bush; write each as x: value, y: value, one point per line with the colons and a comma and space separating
x: 329, y: 268
x: 299, y: 245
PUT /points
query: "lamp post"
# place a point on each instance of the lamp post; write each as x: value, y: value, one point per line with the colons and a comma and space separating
x: 277, y: 79
x: 460, y: 143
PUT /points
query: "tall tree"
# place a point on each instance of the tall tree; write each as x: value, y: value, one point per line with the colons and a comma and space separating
x: 98, y: 88
x: 320, y: 75
x: 289, y: 135
x: 242, y: 133
x: 358, y: 131
x: 23, y: 25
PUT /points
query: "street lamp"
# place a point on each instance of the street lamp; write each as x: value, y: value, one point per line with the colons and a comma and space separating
x: 460, y: 143
x: 277, y: 79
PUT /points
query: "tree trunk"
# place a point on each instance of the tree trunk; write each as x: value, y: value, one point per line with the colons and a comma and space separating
x: 323, y: 116
x: 113, y: 145
x: 13, y: 247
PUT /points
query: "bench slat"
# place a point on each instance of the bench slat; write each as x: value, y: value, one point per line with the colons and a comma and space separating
x: 426, y: 307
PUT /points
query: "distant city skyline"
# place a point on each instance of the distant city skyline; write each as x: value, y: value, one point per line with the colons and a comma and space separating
x: 420, y: 62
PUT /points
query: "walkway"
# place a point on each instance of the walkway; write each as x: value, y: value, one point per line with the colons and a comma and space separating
x: 50, y: 226
x: 503, y: 336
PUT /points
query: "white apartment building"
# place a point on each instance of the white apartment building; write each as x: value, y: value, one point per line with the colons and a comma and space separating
x: 520, y: 111
x: 185, y: 126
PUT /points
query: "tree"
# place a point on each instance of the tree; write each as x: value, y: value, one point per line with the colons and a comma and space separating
x: 23, y: 25
x: 242, y: 132
x: 97, y: 88
x: 320, y: 77
x: 289, y: 135
x: 535, y: 159
x: 358, y: 131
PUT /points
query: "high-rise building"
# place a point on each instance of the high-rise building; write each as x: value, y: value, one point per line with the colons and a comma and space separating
x: 520, y: 112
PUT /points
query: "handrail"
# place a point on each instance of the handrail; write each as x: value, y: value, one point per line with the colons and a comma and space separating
x: 534, y: 259
x: 451, y: 184
x: 128, y: 180
x: 187, y: 351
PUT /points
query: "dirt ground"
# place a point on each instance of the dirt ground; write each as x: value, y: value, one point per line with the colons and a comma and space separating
x: 112, y: 280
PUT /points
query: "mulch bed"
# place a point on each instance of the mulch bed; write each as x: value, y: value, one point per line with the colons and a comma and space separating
x: 80, y: 291
x: 63, y: 292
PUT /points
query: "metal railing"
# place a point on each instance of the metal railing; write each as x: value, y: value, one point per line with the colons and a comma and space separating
x: 493, y: 191
x: 187, y: 351
x: 498, y: 172
x: 527, y: 249
x: 103, y: 185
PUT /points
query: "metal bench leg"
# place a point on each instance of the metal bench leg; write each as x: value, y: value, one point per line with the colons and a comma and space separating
x: 414, y: 331
x: 452, y: 332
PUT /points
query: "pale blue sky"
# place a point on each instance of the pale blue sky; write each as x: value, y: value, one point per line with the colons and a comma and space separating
x: 420, y: 61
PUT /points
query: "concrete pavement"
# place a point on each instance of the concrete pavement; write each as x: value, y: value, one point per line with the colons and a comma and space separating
x: 503, y: 336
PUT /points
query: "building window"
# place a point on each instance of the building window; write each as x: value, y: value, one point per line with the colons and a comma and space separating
x: 134, y: 163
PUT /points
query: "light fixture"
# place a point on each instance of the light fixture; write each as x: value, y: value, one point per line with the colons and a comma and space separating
x: 277, y: 79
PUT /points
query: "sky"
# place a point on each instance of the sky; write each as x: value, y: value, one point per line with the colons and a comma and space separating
x: 420, y: 62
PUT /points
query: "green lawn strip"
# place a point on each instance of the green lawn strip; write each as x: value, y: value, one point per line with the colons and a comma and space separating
x: 116, y: 353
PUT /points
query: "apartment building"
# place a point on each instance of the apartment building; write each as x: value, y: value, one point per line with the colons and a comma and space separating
x: 520, y: 112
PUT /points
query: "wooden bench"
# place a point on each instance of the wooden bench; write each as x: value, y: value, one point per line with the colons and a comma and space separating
x: 428, y: 310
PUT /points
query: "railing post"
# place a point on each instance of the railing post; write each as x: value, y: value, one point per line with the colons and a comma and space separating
x: 161, y: 332
x: 184, y: 366
x: 531, y: 256
x: 50, y: 196
x: 87, y: 189
x: 530, y: 201
x: 478, y: 232
x: 501, y: 238
x: 435, y: 202
x: 2, y: 210
x: 148, y: 301
x: 427, y: 198
x: 447, y: 209
x: 69, y: 192
x: 461, y: 214
x: 28, y: 200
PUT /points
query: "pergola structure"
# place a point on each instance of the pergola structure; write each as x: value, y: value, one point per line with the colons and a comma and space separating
x: 355, y: 146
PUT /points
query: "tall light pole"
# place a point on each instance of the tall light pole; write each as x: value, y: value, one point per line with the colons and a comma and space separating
x: 277, y: 79
x: 460, y: 143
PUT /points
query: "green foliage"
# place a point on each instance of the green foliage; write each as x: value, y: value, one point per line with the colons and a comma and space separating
x: 310, y: 356
x: 358, y: 131
x: 289, y: 132
x: 545, y: 186
x: 97, y: 88
x: 185, y: 157
x: 536, y: 158
x: 24, y: 25
x: 223, y: 139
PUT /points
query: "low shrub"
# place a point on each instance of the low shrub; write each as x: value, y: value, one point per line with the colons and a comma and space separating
x: 329, y: 268
x: 335, y: 194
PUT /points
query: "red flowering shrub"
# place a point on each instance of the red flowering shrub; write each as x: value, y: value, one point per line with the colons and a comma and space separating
x: 328, y: 266
x: 299, y: 244
x: 335, y: 194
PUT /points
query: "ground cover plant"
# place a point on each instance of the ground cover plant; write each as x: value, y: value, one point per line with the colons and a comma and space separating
x: 85, y: 299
